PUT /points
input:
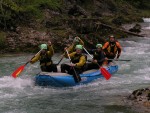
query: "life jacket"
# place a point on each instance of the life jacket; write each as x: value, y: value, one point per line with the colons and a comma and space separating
x: 98, y: 55
x: 45, y: 60
x: 76, y: 58
x: 112, y: 47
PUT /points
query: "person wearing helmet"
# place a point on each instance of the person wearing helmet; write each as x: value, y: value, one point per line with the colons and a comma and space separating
x: 78, y: 61
x: 44, y: 57
x: 77, y: 40
x: 98, y: 58
x: 112, y: 48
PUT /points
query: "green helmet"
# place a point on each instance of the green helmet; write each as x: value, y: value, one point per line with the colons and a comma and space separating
x: 79, y: 47
x: 43, y: 46
x: 98, y: 45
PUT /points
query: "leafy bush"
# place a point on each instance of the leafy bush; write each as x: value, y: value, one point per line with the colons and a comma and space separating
x: 13, y: 11
x: 142, y: 4
x: 2, y: 40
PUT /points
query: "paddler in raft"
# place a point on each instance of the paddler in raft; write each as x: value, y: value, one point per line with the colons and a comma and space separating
x: 78, y: 60
x: 99, y: 58
x: 45, y: 58
x: 77, y: 41
x: 71, y: 47
x: 112, y: 49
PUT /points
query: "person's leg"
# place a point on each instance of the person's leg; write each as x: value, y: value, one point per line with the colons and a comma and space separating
x: 43, y: 68
x: 49, y: 68
x: 92, y: 66
x: 75, y: 73
x: 54, y: 67
x: 110, y: 57
x: 64, y: 68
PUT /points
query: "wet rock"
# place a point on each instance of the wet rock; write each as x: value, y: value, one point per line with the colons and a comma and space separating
x: 140, y: 100
x: 131, y: 97
x: 136, y: 28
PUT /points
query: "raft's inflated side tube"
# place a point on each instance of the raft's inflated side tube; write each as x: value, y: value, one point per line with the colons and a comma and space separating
x: 65, y: 80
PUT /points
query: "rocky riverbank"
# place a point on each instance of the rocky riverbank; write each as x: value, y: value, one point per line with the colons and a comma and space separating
x: 139, y: 100
x: 60, y: 24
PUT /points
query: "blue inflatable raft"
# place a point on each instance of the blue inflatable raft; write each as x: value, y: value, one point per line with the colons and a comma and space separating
x: 66, y: 80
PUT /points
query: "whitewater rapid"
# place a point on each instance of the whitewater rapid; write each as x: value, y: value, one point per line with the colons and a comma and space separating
x: 101, y: 96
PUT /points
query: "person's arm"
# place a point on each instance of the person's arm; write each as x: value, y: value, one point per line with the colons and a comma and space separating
x: 104, y: 48
x: 119, y: 49
x: 71, y: 55
x: 71, y: 48
x: 50, y: 49
x: 35, y: 59
x: 81, y: 41
x: 81, y: 62
x: 102, y: 58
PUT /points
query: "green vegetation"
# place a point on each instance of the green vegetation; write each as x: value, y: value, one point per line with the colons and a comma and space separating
x: 142, y: 4
x: 2, y: 40
x: 61, y: 18
x: 14, y: 11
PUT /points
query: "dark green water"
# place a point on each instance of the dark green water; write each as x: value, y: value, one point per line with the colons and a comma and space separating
x: 21, y: 96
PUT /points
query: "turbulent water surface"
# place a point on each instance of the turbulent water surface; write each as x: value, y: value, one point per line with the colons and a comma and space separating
x: 21, y: 96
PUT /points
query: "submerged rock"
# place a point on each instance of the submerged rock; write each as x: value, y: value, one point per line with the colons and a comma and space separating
x: 140, y: 100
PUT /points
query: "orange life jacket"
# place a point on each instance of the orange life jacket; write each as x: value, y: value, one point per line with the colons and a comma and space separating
x: 111, y: 47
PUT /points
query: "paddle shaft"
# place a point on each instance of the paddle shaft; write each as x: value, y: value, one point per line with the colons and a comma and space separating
x: 33, y: 57
x: 21, y: 68
x: 97, y: 61
x: 88, y: 52
x: 104, y: 72
x: 90, y: 55
x: 119, y: 59
x: 60, y: 60
x: 75, y: 75
x: 108, y: 59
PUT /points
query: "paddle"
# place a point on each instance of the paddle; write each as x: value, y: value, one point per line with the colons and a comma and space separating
x: 104, y: 72
x: 21, y: 68
x: 60, y: 60
x: 119, y: 60
x: 76, y: 76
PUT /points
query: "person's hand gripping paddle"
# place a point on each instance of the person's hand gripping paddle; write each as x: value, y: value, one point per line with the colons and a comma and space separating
x: 16, y: 73
x: 76, y: 76
x: 104, y: 72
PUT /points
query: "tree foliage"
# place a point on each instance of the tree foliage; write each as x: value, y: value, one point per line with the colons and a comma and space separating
x: 142, y: 4
x: 14, y: 11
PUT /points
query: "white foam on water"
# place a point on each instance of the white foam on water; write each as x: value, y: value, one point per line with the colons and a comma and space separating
x: 11, y: 88
x: 8, y: 81
x: 146, y: 19
x: 16, y: 111
x: 124, y: 67
x: 146, y: 69
x: 129, y: 77
x: 146, y: 28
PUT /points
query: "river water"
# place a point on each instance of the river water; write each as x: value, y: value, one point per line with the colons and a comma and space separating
x: 102, y: 96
